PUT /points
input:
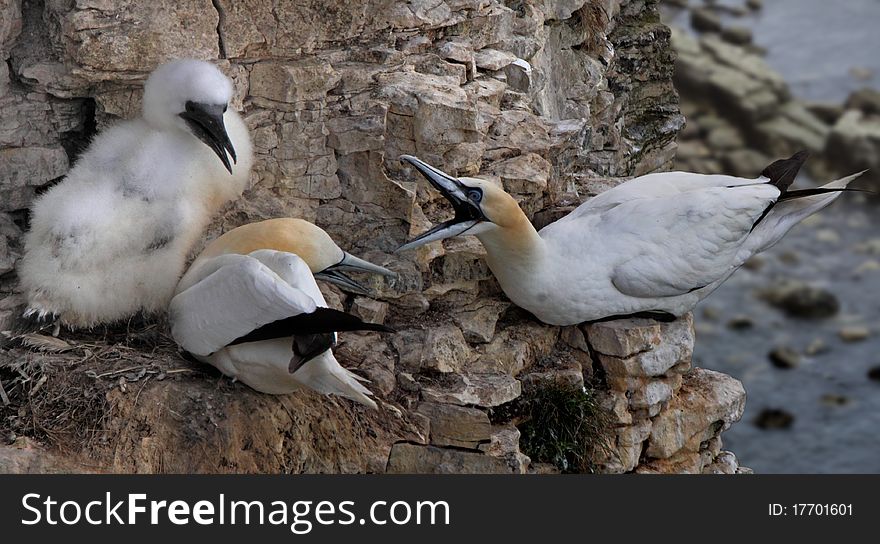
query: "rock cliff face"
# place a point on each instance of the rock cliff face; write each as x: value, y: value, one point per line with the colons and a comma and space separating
x: 555, y: 99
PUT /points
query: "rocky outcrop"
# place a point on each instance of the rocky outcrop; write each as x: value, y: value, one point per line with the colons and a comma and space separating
x: 555, y: 100
x: 741, y: 115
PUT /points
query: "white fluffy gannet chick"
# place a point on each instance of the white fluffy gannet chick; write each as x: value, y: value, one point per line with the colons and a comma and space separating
x: 249, y: 306
x: 653, y: 246
x: 112, y: 237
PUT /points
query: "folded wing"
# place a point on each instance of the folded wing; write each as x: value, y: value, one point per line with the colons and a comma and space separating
x: 677, y: 244
x: 234, y: 295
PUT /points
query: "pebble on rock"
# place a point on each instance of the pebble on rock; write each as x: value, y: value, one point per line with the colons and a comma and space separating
x: 854, y: 334
x: 784, y: 357
x: 798, y: 299
x: 831, y: 399
x: 816, y: 347
x: 740, y: 323
x: 774, y: 418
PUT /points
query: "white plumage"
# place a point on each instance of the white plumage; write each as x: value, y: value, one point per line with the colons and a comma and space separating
x: 658, y: 243
x: 232, y: 291
x: 112, y: 238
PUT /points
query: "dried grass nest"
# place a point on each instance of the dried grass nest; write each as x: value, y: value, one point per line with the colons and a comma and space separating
x: 54, y: 389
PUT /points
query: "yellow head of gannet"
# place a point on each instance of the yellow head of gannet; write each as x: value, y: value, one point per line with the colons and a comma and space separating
x: 310, y: 242
x: 481, y: 209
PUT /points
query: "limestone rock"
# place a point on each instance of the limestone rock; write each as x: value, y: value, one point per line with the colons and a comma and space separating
x: 458, y: 426
x: 741, y: 81
x: 292, y: 82
x: 485, y: 390
x: 640, y: 347
x: 477, y: 320
x: 685, y: 462
x: 414, y: 459
x: 503, y: 441
x: 524, y: 174
x: 445, y: 349
x: 725, y: 463
x: 492, y: 59
x: 105, y: 38
x: 370, y: 310
x: 23, y: 169
x: 626, y: 337
x: 707, y: 403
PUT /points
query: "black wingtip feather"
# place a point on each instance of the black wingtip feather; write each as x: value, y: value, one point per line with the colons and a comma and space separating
x: 801, y: 193
x: 322, y: 320
x: 782, y: 172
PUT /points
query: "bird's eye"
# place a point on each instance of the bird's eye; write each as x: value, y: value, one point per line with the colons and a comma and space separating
x: 225, y: 107
x: 475, y: 195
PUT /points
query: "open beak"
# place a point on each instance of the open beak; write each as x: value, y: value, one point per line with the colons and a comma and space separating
x: 206, y: 122
x: 334, y: 274
x: 467, y: 214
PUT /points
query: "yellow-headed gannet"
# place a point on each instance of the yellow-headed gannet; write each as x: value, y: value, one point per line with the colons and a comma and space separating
x: 652, y: 246
x: 112, y: 237
x: 249, y: 305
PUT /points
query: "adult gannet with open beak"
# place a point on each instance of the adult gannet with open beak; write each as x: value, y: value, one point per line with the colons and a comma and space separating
x: 249, y: 305
x: 652, y: 246
x: 112, y: 237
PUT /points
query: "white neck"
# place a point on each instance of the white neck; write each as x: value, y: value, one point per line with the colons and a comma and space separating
x: 516, y: 254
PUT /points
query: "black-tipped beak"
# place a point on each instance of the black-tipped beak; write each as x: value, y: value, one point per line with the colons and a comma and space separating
x: 338, y: 278
x: 206, y: 122
x: 334, y: 274
x: 467, y: 214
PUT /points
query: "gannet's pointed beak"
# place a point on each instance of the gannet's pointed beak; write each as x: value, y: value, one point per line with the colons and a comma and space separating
x: 467, y: 214
x: 206, y: 123
x: 349, y: 262
x: 352, y: 263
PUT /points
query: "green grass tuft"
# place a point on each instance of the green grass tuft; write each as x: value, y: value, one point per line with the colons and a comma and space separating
x: 562, y: 424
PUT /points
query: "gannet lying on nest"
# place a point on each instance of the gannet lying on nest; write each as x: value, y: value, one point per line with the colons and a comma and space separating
x: 112, y: 237
x: 249, y: 305
x: 652, y: 246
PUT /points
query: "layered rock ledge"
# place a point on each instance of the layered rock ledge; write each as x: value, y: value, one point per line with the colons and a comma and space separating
x: 555, y: 100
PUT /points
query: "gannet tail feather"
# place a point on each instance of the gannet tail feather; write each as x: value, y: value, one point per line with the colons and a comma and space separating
x: 325, y: 375
x: 782, y: 172
x: 788, y: 212
x: 802, y: 193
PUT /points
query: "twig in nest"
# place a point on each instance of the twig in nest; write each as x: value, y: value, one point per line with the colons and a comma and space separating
x: 92, y: 374
x: 3, y: 396
x: 38, y: 385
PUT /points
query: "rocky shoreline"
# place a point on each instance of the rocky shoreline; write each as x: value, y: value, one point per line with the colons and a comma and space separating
x: 741, y: 114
